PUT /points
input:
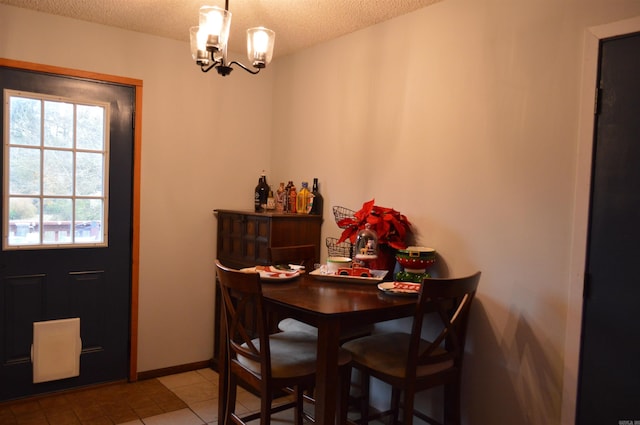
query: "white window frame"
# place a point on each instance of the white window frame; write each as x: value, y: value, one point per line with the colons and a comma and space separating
x: 8, y: 94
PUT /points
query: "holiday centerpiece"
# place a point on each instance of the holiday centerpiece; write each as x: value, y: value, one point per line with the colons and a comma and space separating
x: 391, y: 227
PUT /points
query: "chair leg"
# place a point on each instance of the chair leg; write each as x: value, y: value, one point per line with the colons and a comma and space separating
x: 343, y: 399
x: 265, y: 408
x: 395, y: 405
x: 231, y: 400
x: 364, y: 402
x: 298, y: 409
x: 452, y: 404
x: 407, y: 408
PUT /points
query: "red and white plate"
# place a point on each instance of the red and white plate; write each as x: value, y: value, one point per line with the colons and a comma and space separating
x: 272, y: 273
x: 400, y: 288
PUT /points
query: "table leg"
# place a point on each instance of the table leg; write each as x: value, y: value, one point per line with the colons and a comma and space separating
x: 327, y: 377
x: 223, y: 375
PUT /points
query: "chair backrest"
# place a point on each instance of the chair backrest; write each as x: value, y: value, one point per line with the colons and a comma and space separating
x: 295, y: 254
x: 244, y: 317
x: 451, y: 300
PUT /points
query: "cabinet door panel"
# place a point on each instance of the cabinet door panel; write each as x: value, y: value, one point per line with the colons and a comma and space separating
x: 291, y: 231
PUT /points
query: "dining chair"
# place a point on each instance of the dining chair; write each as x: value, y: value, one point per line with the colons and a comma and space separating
x: 304, y: 255
x: 410, y: 363
x: 267, y: 364
x: 301, y: 255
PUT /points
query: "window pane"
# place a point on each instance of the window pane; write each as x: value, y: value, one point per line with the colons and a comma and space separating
x: 90, y: 127
x: 58, y: 124
x: 24, y: 121
x: 57, y: 214
x: 56, y: 161
x: 89, y: 220
x: 89, y: 174
x: 24, y: 219
x: 24, y: 171
x: 58, y: 172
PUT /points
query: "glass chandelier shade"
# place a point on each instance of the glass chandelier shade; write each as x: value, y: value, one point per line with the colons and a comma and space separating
x: 260, y: 43
x: 199, y: 46
x: 209, y: 42
x: 216, y: 23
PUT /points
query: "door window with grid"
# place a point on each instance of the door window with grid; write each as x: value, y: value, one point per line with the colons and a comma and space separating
x: 55, y: 172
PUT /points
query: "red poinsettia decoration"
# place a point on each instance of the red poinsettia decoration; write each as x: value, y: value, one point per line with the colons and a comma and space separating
x: 390, y: 226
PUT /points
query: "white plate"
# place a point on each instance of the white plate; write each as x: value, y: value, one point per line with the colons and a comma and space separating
x: 400, y: 288
x: 272, y: 274
x: 376, y: 276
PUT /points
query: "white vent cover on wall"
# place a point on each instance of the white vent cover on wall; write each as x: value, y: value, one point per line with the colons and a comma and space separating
x: 56, y: 349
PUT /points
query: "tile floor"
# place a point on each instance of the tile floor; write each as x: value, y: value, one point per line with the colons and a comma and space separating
x: 189, y: 398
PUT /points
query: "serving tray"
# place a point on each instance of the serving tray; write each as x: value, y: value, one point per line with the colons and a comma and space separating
x: 376, y: 277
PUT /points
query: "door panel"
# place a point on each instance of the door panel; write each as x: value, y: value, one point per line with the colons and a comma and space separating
x: 609, y: 369
x: 91, y: 283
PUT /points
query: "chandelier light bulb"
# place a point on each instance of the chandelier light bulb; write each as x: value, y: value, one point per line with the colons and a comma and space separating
x: 260, y: 41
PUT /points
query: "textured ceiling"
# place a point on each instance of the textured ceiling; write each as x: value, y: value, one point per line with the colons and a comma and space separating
x: 297, y: 23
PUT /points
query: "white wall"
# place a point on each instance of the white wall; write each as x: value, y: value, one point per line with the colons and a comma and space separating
x: 463, y: 115
x: 198, y: 154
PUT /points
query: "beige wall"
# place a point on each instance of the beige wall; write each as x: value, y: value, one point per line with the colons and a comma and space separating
x: 463, y: 115
x: 198, y: 154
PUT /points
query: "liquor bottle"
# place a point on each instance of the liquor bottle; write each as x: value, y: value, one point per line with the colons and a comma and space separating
x: 262, y: 193
x: 287, y: 190
x: 293, y: 199
x: 303, y: 202
x: 316, y: 207
x: 256, y: 195
x: 280, y: 194
x: 271, y: 201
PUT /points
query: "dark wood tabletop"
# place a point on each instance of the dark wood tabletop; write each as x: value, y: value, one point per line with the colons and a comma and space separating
x: 332, y: 308
x: 314, y: 299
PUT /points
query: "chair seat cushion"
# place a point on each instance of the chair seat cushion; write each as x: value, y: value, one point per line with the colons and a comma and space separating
x: 293, y: 353
x: 387, y: 353
x: 290, y: 324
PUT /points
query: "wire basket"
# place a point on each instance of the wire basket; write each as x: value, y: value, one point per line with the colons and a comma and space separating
x: 341, y: 212
x: 335, y: 249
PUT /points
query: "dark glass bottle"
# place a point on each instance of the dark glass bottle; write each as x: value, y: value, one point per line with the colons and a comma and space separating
x: 256, y: 196
x: 264, y: 193
x: 316, y: 207
x: 261, y: 194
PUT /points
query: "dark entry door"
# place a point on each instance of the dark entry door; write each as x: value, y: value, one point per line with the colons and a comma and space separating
x: 94, y: 283
x: 609, y: 382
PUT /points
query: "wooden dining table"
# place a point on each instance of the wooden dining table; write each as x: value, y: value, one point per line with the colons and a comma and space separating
x: 334, y: 308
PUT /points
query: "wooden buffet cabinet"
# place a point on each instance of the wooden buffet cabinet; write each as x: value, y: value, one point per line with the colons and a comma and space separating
x: 244, y: 239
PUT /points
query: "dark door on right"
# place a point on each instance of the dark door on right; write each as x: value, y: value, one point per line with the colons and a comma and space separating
x: 609, y: 381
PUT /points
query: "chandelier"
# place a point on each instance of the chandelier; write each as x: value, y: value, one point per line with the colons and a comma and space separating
x: 209, y: 42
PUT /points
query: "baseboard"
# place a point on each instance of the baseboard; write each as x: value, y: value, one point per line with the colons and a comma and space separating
x: 156, y: 373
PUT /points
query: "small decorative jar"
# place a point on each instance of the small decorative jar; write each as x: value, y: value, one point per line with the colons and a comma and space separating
x: 366, y: 246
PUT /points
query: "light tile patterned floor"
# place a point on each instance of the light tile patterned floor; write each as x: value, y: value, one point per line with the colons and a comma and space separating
x: 151, y: 402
